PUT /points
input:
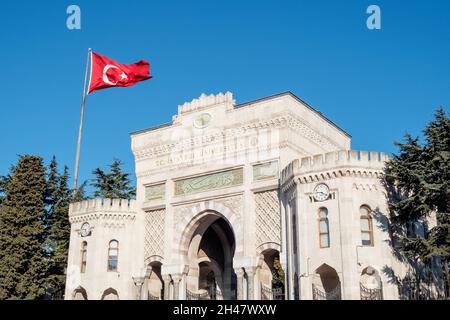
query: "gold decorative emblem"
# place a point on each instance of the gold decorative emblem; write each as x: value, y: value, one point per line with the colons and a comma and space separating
x: 202, y: 121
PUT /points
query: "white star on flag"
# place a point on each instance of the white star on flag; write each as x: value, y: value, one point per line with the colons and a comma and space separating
x: 123, y: 76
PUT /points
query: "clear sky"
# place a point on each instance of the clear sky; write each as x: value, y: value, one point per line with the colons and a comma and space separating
x: 376, y: 85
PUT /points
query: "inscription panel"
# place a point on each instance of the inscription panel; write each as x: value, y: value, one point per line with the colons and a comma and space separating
x: 268, y: 170
x: 157, y: 191
x: 209, y: 182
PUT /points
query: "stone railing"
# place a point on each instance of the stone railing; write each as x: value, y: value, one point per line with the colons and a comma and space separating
x: 334, y: 294
x: 370, y: 294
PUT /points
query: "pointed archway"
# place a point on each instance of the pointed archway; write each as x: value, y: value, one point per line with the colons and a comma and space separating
x: 209, y: 254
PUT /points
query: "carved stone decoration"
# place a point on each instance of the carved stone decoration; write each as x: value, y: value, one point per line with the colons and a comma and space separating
x: 155, y: 192
x: 234, y: 204
x: 268, y: 218
x: 209, y: 182
x: 187, y: 218
x: 298, y: 126
x: 154, y: 232
x: 205, y: 101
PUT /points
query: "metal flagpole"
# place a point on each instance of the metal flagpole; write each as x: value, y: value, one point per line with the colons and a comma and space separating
x: 80, y: 129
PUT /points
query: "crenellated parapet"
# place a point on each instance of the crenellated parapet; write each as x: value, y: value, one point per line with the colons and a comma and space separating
x: 207, y: 100
x: 115, y: 209
x: 334, y: 164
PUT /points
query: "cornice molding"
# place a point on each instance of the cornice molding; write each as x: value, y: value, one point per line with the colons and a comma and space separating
x: 283, y: 121
x: 114, y: 216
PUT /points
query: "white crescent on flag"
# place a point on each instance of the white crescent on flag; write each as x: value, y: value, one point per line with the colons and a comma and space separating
x: 105, y: 76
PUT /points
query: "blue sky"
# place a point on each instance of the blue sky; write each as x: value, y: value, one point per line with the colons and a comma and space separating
x: 376, y: 85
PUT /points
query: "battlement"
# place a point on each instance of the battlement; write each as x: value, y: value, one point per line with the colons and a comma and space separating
x: 335, y: 159
x: 102, y: 205
x: 205, y: 101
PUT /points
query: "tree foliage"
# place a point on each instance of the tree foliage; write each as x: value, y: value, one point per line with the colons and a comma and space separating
x: 57, y: 226
x: 35, y: 227
x: 113, y: 184
x: 277, y: 273
x: 417, y: 181
x: 23, y: 266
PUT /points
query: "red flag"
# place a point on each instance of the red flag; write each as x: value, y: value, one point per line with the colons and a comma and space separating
x: 106, y: 73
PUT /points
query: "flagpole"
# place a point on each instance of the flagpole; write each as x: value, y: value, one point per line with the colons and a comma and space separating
x: 80, y: 129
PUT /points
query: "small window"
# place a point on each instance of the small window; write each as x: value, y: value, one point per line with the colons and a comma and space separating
x: 113, y: 255
x: 83, y: 256
x: 366, y: 226
x: 324, y: 228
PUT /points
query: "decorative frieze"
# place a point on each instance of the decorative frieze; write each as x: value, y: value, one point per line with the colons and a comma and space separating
x: 298, y: 126
x: 209, y: 182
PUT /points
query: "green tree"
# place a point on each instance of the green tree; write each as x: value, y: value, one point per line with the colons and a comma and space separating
x: 80, y: 193
x: 58, y: 198
x: 418, y: 186
x: 113, y: 184
x: 3, y: 182
x: 22, y: 214
x: 277, y: 273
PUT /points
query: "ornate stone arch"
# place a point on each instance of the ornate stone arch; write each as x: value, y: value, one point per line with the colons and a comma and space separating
x: 78, y: 293
x: 268, y: 245
x: 190, y: 222
x: 110, y: 294
x: 154, y: 258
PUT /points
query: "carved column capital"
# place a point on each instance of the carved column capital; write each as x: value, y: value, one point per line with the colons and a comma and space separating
x: 176, y: 286
x: 240, y: 283
x: 239, y: 272
x: 250, y: 271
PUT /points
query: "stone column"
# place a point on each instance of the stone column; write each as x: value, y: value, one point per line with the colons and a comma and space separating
x: 139, y: 282
x: 251, y: 283
x: 167, y: 280
x: 176, y: 286
x: 257, y: 284
x: 240, y: 283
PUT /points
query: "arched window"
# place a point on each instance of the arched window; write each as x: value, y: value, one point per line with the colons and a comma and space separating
x: 366, y: 226
x: 83, y: 256
x: 324, y: 228
x: 113, y: 255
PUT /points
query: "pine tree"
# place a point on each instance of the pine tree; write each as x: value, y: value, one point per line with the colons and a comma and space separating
x: 418, y: 185
x: 58, y: 198
x: 22, y: 258
x: 113, y: 184
x: 3, y: 182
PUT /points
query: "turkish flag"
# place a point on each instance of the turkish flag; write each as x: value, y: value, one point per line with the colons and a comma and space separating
x: 106, y: 73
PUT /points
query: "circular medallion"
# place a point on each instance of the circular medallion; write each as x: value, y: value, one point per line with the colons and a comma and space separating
x: 202, y: 121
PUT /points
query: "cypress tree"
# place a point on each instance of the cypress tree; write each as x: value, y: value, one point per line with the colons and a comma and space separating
x: 113, y: 184
x: 22, y: 214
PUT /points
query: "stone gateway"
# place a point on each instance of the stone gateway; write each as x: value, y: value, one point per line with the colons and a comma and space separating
x: 262, y: 200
